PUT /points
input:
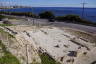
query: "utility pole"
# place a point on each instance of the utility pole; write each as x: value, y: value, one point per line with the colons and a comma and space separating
x: 83, y: 9
x: 26, y: 46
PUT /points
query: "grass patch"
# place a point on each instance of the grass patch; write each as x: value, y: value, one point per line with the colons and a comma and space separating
x: 10, y: 17
x: 9, y: 35
x: 46, y: 59
x: 6, y: 24
x: 8, y: 58
x: 35, y: 63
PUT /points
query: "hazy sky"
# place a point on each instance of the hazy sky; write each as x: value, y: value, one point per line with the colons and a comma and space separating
x: 51, y: 3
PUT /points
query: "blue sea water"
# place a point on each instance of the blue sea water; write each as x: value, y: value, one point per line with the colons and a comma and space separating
x: 89, y: 13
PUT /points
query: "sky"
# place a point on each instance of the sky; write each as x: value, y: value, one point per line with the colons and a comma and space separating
x: 50, y: 3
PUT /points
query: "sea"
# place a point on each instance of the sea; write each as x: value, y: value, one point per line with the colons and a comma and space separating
x: 89, y: 13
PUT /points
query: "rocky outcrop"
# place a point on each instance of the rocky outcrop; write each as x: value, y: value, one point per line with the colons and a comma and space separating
x: 20, y: 47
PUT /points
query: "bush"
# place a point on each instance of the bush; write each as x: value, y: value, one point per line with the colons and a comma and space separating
x: 70, y: 18
x: 6, y: 22
x: 29, y: 14
x: 1, y: 17
x: 46, y: 59
x: 60, y: 18
x: 47, y: 15
x: 74, y: 19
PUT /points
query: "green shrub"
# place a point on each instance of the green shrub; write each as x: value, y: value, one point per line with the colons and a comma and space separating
x: 46, y: 59
x: 47, y: 15
x: 1, y: 17
x: 74, y: 19
x: 60, y: 18
x: 7, y: 22
x: 68, y: 18
x: 29, y: 14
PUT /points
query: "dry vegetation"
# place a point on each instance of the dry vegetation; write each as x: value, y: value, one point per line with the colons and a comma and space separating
x: 83, y: 35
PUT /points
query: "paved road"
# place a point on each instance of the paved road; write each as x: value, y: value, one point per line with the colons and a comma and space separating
x: 63, y: 24
x: 77, y: 26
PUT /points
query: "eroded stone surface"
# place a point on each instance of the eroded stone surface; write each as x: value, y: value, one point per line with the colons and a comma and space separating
x: 63, y: 45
